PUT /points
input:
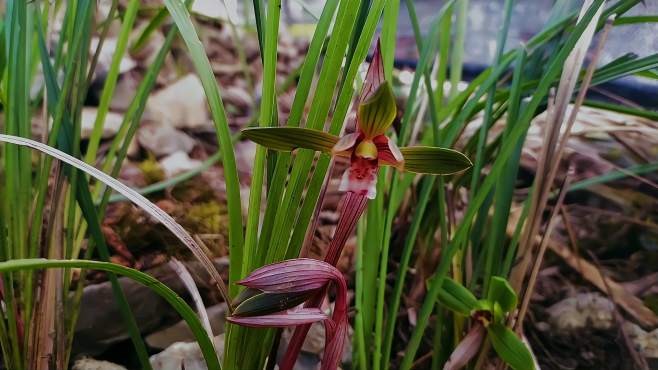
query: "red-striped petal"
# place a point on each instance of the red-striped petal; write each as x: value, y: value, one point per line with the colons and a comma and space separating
x: 282, y: 319
x: 290, y: 276
x: 374, y: 76
x: 346, y: 144
x: 388, y: 151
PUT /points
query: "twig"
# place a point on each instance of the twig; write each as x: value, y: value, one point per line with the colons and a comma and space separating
x: 554, y: 145
x: 640, y: 361
x: 542, y: 250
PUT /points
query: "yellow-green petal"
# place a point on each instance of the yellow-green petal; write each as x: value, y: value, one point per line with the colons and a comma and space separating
x: 376, y: 114
x: 501, y: 291
x: 434, y: 160
x: 290, y: 138
x: 457, y: 297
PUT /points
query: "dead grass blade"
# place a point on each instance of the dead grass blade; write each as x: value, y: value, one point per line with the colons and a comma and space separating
x: 630, y: 303
x: 552, y: 148
x: 187, y: 279
x: 638, y: 358
x: 136, y: 198
x: 564, y: 189
x: 45, y: 348
x: 618, y: 293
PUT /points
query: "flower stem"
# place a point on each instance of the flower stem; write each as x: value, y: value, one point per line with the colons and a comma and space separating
x: 353, y: 207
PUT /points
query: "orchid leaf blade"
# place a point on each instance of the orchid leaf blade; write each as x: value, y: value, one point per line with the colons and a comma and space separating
x: 510, y: 348
x: 290, y: 138
x: 434, y: 160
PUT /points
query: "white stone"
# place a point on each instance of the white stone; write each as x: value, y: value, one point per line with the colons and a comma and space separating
x: 177, y: 163
x: 91, y: 364
x: 180, y: 105
x: 164, y: 140
x: 110, y: 127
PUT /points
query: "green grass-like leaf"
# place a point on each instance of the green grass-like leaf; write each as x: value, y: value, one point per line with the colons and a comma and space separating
x: 198, y: 55
x: 186, y: 312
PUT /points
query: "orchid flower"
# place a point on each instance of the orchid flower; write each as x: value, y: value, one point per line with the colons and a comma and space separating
x: 275, y: 292
x: 368, y: 148
x: 488, y: 316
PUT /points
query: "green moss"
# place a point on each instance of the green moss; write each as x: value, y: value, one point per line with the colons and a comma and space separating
x: 206, y: 218
x: 152, y: 171
x: 209, y: 220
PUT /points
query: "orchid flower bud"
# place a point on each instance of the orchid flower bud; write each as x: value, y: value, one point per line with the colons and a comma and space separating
x: 275, y: 291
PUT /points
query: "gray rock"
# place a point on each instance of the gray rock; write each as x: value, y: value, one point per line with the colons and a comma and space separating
x: 177, y: 163
x: 185, y: 356
x: 180, y: 105
x: 645, y: 342
x: 100, y: 323
x: 585, y: 309
x: 164, y: 140
x: 91, y: 364
x: 110, y: 126
x: 180, y: 332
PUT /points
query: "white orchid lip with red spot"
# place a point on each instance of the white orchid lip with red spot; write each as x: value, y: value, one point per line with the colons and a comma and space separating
x: 368, y: 148
x: 273, y: 300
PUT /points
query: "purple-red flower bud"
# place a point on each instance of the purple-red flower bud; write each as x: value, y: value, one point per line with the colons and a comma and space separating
x: 276, y: 288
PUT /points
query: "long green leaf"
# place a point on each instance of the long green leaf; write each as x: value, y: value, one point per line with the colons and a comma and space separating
x: 502, y: 293
x: 186, y: 312
x: 82, y: 194
x: 549, y: 76
x: 457, y: 298
x: 131, y: 194
x: 111, y: 80
x: 198, y: 55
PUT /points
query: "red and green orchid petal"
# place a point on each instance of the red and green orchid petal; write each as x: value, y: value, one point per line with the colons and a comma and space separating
x: 361, y: 177
x: 369, y: 147
x: 376, y: 114
x: 374, y: 76
x: 335, y: 335
x: 346, y: 144
x: 418, y: 159
x: 298, y: 275
x: 388, y: 151
x: 376, y: 110
x: 264, y: 303
x: 284, y: 285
